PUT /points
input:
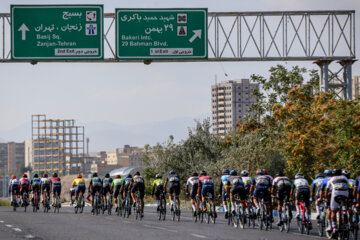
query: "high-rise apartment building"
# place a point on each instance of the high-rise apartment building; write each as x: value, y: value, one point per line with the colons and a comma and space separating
x: 12, y: 157
x: 356, y: 87
x: 231, y: 101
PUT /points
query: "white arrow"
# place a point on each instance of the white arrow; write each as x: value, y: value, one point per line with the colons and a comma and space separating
x: 23, y: 29
x: 197, y: 33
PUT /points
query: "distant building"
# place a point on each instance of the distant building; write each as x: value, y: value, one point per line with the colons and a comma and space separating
x: 231, y: 101
x: 356, y: 86
x: 12, y: 157
x: 125, y: 157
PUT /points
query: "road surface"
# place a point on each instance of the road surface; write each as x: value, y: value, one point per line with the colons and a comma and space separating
x: 67, y: 225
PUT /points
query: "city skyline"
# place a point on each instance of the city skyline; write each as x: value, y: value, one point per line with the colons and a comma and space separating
x: 132, y: 96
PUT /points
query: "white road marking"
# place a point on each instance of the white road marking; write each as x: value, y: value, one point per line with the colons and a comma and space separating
x: 17, y: 229
x: 160, y: 228
x: 1, y: 221
x: 126, y: 222
x: 9, y: 226
x: 29, y: 236
x: 197, y: 235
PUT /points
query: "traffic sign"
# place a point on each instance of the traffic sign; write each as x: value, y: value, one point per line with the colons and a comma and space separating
x: 57, y: 32
x: 161, y: 33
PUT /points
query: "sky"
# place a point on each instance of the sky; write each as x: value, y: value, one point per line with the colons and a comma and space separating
x: 133, y: 94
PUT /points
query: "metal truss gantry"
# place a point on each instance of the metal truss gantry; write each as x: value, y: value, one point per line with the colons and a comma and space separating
x: 319, y: 36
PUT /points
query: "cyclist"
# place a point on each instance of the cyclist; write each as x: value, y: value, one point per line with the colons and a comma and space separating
x: 261, y: 185
x: 45, y: 188
x: 174, y: 187
x: 223, y: 195
x: 95, y: 186
x: 247, y: 181
x: 72, y: 196
x: 235, y: 185
x: 125, y: 188
x: 35, y: 186
x: 157, y: 188
x: 339, y: 186
x: 315, y: 192
x: 357, y: 192
x: 14, y: 188
x: 56, y: 187
x: 281, y: 188
x: 271, y: 204
x: 107, y: 182
x: 193, y: 182
x: 352, y: 184
x: 138, y: 184
x: 206, y: 186
x: 328, y: 174
x: 301, y: 190
x: 116, y: 189
x: 79, y: 185
x: 24, y: 186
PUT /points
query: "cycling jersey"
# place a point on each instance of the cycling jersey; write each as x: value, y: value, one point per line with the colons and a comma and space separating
x: 45, y: 182
x: 107, y: 182
x: 223, y: 180
x: 78, y: 181
x: 173, y: 179
x: 261, y: 180
x: 300, y: 183
x: 117, y: 182
x: 24, y: 183
x: 96, y: 182
x: 14, y: 185
x: 35, y: 182
x: 138, y: 185
x: 56, y: 181
x: 316, y: 186
x: 158, y: 184
x: 206, y: 184
x: 283, y: 187
x: 193, y: 182
x: 352, y: 184
x: 247, y: 181
x: 339, y: 187
x: 234, y: 181
x: 324, y: 184
x: 357, y: 185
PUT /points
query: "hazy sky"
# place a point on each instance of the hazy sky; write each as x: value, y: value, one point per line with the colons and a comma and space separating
x: 133, y: 93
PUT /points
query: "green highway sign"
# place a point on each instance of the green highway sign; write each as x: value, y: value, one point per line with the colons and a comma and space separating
x: 57, y: 32
x: 161, y: 33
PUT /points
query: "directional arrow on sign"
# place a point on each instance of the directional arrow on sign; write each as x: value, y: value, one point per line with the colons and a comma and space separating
x: 23, y: 29
x: 197, y: 33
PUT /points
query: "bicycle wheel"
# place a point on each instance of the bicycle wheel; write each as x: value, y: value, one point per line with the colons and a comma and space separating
x: 82, y: 202
x: 177, y: 209
x: 235, y: 220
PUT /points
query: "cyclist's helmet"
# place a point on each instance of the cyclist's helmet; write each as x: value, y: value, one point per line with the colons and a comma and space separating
x: 319, y: 175
x: 194, y: 174
x: 94, y: 174
x: 36, y: 175
x: 328, y: 172
x: 346, y: 173
x: 265, y: 172
x: 24, y: 175
x: 299, y: 175
x: 55, y: 175
x: 118, y: 176
x: 337, y: 172
x: 79, y: 176
x: 259, y: 172
x: 233, y: 173
x: 13, y: 176
x: 137, y: 174
x: 158, y: 175
x: 129, y: 176
x: 280, y: 174
x: 171, y: 172
x: 226, y: 172
x: 45, y: 175
x: 107, y: 175
x: 244, y: 173
x: 203, y: 173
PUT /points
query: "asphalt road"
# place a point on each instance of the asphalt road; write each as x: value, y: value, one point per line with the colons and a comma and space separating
x: 67, y: 225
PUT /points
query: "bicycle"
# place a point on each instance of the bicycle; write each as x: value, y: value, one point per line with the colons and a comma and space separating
x: 80, y: 203
x: 228, y: 204
x: 321, y: 223
x: 25, y: 201
x: 107, y: 204
x: 126, y: 205
x: 197, y: 214
x: 238, y: 218
x: 302, y: 220
x: 162, y: 206
x: 287, y: 215
x: 175, y: 208
x: 354, y: 223
x: 342, y: 218
x: 264, y: 216
x: 14, y: 203
x: 138, y: 206
x: 250, y: 214
x: 57, y: 203
x: 97, y: 203
x: 119, y: 207
x: 209, y: 214
x: 46, y: 203
x: 35, y: 201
